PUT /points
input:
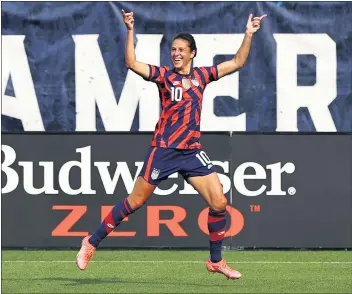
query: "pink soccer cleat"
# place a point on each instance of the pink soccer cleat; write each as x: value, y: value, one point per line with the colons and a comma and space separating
x: 222, y: 268
x: 85, y: 254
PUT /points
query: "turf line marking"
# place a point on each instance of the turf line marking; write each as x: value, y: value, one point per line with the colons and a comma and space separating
x: 179, y: 261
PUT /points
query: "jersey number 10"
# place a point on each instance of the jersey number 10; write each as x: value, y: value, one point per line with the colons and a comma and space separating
x: 176, y: 94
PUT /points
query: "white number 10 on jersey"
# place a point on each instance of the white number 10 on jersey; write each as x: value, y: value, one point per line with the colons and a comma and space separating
x: 176, y: 94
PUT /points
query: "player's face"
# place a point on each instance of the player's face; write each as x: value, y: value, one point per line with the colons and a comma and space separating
x: 181, y: 53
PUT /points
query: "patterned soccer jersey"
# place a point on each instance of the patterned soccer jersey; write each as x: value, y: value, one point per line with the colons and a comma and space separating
x: 181, y: 102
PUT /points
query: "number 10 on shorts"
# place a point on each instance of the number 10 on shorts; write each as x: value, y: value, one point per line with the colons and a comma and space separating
x: 203, y: 158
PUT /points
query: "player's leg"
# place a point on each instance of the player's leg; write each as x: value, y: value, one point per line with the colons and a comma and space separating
x: 202, y: 176
x: 200, y: 173
x: 142, y: 190
x: 210, y: 188
x: 155, y: 170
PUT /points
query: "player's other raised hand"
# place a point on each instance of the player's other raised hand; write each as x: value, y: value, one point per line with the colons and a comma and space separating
x: 128, y: 19
x: 253, y: 24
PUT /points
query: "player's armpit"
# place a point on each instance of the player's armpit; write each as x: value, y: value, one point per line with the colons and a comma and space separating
x: 140, y: 69
x: 227, y: 67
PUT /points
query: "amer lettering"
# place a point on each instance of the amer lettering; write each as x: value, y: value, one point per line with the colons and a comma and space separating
x: 317, y: 98
x: 94, y: 89
x: 15, y: 64
x: 210, y: 46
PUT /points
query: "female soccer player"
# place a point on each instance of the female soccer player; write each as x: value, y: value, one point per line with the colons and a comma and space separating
x: 175, y: 146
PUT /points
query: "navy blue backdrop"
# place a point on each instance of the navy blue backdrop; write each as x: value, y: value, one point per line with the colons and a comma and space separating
x: 49, y: 26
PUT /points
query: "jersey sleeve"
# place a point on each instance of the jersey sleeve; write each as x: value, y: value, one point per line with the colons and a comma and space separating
x: 210, y: 73
x: 156, y: 74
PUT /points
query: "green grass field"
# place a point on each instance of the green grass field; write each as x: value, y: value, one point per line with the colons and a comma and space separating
x: 176, y: 272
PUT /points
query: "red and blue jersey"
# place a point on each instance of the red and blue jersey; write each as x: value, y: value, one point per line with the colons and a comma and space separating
x: 181, y: 103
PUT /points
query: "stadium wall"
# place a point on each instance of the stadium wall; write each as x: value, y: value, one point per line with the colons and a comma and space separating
x: 284, y: 191
x: 64, y: 62
x: 78, y: 124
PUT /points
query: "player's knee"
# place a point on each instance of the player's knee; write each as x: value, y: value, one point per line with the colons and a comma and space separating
x: 223, y: 202
x: 136, y: 200
x: 135, y: 204
x: 220, y: 203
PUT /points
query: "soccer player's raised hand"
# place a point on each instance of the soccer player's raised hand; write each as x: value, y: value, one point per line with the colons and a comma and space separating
x: 253, y: 24
x: 128, y: 19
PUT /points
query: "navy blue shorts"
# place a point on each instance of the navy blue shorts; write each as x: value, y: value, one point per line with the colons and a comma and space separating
x: 160, y: 162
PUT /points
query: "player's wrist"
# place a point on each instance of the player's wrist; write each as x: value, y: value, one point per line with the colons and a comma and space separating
x: 249, y: 34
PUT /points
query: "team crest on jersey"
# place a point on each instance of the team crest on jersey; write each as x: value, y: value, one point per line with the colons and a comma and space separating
x: 195, y: 82
x: 155, y: 173
x: 186, y: 83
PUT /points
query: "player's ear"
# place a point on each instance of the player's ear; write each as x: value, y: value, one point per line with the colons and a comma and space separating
x: 193, y: 53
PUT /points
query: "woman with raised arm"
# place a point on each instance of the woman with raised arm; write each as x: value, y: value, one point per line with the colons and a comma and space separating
x: 175, y: 146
